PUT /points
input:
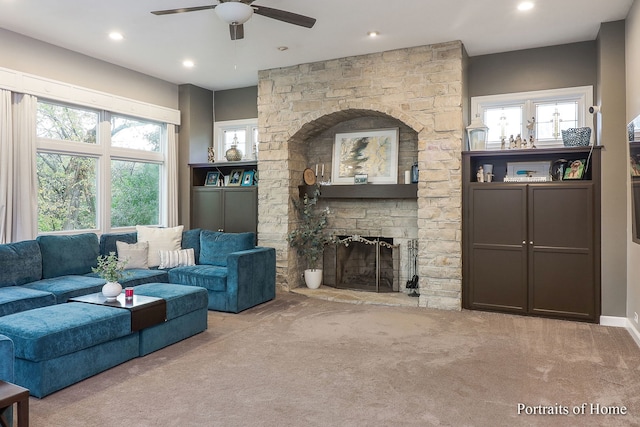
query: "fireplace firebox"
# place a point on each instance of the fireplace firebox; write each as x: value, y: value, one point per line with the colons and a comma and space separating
x: 366, y: 263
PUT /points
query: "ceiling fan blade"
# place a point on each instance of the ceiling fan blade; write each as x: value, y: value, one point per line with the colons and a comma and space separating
x: 284, y: 16
x: 183, y: 9
x: 237, y: 31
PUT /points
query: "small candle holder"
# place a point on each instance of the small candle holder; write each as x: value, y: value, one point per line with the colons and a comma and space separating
x: 128, y: 294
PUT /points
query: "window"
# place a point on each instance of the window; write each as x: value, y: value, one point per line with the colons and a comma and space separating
x: 243, y: 133
x: 97, y: 170
x: 539, y: 115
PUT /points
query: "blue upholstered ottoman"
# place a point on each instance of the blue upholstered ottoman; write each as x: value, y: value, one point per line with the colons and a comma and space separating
x: 186, y: 314
x: 59, y: 345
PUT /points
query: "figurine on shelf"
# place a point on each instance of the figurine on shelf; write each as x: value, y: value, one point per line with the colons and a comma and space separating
x: 480, y: 174
x: 503, y: 143
x: 532, y: 143
x: 211, y: 155
x: 531, y: 124
x: 518, y: 141
x: 512, y: 142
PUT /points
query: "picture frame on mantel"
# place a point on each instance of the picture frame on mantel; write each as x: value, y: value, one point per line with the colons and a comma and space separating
x: 371, y: 152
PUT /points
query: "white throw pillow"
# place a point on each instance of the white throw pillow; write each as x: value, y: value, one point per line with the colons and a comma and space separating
x: 171, y: 259
x: 136, y: 255
x: 160, y: 239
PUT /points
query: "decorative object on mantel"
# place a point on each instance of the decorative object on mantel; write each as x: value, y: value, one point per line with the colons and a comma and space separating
x: 371, y: 152
x: 360, y: 178
x: 308, y: 176
x: 309, y: 237
x: 477, y: 132
x: 233, y: 154
x: 111, y: 270
x: 211, y: 155
x: 415, y: 173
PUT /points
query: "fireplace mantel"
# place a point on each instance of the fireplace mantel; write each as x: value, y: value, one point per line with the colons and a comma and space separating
x: 363, y: 191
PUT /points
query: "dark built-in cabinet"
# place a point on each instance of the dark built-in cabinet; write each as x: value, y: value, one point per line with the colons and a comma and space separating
x: 532, y: 248
x: 232, y: 209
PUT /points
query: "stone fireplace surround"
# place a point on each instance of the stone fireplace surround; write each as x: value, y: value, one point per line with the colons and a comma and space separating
x: 420, y: 91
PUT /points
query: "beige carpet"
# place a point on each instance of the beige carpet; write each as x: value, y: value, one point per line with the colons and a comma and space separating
x: 300, y: 361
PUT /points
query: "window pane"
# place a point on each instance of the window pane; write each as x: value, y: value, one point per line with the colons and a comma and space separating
x: 554, y: 117
x: 135, y: 134
x: 502, y: 122
x: 135, y: 193
x: 66, y: 123
x: 66, y: 192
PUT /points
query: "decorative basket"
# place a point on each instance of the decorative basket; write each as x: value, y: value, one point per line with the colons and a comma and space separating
x: 576, y: 137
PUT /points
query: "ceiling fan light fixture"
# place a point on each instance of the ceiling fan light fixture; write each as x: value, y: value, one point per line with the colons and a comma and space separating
x: 234, y: 12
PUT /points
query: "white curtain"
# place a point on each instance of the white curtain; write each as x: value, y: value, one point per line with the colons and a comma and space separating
x: 18, y: 180
x: 6, y: 167
x: 172, y: 176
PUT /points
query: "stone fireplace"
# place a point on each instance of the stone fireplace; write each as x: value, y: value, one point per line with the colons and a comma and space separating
x: 418, y: 90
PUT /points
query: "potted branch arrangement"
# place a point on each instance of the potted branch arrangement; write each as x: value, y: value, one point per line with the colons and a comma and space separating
x: 111, y: 270
x: 309, y: 237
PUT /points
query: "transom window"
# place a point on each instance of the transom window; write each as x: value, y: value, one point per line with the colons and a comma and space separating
x: 242, y: 133
x: 539, y: 115
x: 97, y: 170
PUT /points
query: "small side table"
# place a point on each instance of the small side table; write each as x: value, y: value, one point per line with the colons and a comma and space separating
x: 10, y: 394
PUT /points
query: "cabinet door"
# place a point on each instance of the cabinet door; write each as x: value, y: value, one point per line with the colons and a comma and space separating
x: 240, y: 210
x: 561, y: 250
x: 206, y: 208
x: 496, y: 270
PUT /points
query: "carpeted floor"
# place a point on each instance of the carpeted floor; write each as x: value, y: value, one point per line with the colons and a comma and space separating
x: 299, y: 361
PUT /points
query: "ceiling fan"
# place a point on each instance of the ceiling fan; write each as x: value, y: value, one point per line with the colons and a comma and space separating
x: 237, y: 12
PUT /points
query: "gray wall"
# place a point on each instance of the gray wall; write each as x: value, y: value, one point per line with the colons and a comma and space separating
x: 610, y: 95
x: 633, y: 109
x: 533, y: 69
x: 31, y: 56
x: 195, y: 136
x: 236, y: 104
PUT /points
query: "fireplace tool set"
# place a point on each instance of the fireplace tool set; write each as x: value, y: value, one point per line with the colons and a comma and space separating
x: 412, y: 262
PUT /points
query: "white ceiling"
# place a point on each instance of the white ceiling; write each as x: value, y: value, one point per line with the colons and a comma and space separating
x: 157, y: 45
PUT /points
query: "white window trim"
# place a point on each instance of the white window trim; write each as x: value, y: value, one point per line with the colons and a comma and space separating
x: 583, y: 95
x: 218, y: 137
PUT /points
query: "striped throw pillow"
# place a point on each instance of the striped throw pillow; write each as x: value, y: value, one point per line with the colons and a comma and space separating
x: 179, y: 258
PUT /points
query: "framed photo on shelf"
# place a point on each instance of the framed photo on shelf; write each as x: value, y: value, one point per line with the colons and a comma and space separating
x: 372, y: 152
x: 574, y: 170
x: 235, y: 177
x: 212, y: 179
x: 247, y: 178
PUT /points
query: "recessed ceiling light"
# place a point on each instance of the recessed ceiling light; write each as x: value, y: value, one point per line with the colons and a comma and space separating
x: 373, y: 34
x: 525, y: 5
x: 283, y: 48
x: 114, y: 35
x: 187, y: 63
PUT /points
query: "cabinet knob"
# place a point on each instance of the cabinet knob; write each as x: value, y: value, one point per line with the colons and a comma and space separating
x: 524, y: 242
x: 531, y: 242
x: 220, y: 229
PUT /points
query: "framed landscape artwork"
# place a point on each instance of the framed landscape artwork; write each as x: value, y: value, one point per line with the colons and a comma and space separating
x: 373, y: 153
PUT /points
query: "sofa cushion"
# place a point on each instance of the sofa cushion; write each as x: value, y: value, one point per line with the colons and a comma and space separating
x: 14, y: 299
x: 65, y: 287
x: 212, y: 278
x: 64, y: 255
x: 108, y: 241
x: 20, y: 263
x: 141, y: 276
x: 180, y: 299
x: 48, y: 332
x: 135, y: 255
x: 215, y: 246
x: 160, y: 239
x: 191, y: 239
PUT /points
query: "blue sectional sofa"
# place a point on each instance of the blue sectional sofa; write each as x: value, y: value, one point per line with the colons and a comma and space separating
x: 6, y: 368
x: 47, y: 333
